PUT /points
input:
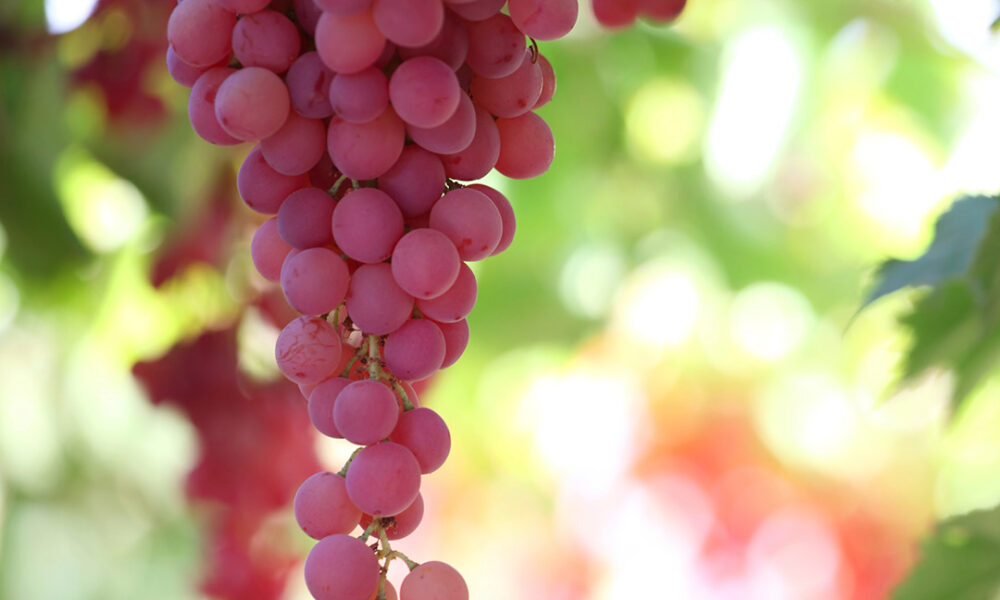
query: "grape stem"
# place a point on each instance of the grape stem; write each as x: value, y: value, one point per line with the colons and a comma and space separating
x: 343, y: 471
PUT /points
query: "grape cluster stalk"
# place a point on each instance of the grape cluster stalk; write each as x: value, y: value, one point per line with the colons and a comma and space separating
x: 370, y: 118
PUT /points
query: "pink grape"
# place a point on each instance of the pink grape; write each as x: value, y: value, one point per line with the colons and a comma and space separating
x: 268, y: 250
x: 266, y: 39
x: 262, y: 188
x: 383, y: 479
x: 304, y: 218
x: 415, y: 350
x: 201, y: 107
x: 360, y: 97
x: 252, y: 104
x: 296, y: 147
x: 365, y: 412
x: 390, y: 592
x: 454, y: 135
x: 661, y: 10
x: 426, y: 435
x: 434, y: 580
x: 425, y: 263
x: 456, y: 303
x: 548, y: 82
x: 450, y: 45
x: 321, y: 402
x: 314, y: 281
x: 513, y: 95
x: 470, y: 220
x: 308, y: 15
x: 477, y: 10
x: 180, y: 71
x: 526, y: 146
x: 404, y: 523
x: 480, y: 156
x: 344, y: 8
x: 415, y: 181
x: 367, y: 224
x: 341, y: 567
x: 408, y: 22
x: 615, y: 13
x: 424, y: 91
x: 375, y: 302
x: 365, y: 151
x: 456, y: 339
x: 506, y: 215
x: 322, y: 507
x: 199, y: 31
x: 348, y: 44
x: 308, y: 82
x: 307, y: 350
x: 496, y: 46
x: 243, y: 6
x: 545, y: 20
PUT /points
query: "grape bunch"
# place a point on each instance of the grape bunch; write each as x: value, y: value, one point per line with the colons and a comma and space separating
x: 615, y: 14
x: 371, y: 120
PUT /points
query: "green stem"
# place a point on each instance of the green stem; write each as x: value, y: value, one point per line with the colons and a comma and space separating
x: 407, y: 405
x: 409, y: 563
x: 373, y: 357
x: 368, y: 532
x: 343, y: 471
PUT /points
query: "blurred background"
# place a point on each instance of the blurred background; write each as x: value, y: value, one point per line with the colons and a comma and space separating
x: 667, y: 394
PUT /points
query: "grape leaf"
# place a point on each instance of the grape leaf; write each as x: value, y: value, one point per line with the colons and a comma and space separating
x: 960, y: 561
x: 958, y: 235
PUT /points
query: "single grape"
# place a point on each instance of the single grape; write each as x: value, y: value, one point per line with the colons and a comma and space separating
x: 426, y: 435
x: 424, y: 91
x: 322, y: 507
x: 201, y: 107
x: 477, y: 10
x: 307, y: 350
x: 470, y: 220
x: 415, y: 181
x: 545, y: 20
x: 360, y: 97
x: 451, y: 44
x: 415, y: 350
x: 456, y: 339
x: 297, y: 147
x: 615, y: 14
x: 375, y: 302
x: 434, y: 580
x: 266, y: 39
x: 268, y: 250
x: 341, y: 567
x: 321, y: 402
x: 408, y: 22
x: 513, y: 95
x: 383, y: 479
x: 662, y: 11
x: 455, y: 304
x: 365, y: 151
x: 506, y: 215
x: 304, y: 218
x: 308, y: 82
x: 348, y: 44
x: 262, y: 188
x: 200, y: 32
x: 308, y: 15
x: 367, y: 224
x: 526, y: 146
x: 314, y: 281
x: 252, y: 104
x: 180, y: 71
x: 548, y: 82
x: 365, y: 412
x: 425, y: 263
x: 496, y: 46
x: 454, y: 135
x: 480, y: 156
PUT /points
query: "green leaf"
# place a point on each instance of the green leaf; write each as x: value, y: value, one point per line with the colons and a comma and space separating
x: 944, y: 323
x: 957, y: 238
x: 960, y: 561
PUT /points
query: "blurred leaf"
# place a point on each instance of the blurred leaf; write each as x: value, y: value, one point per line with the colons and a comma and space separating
x: 944, y: 325
x: 958, y: 235
x: 961, y: 561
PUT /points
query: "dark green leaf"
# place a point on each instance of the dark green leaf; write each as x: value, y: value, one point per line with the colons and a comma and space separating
x: 960, y: 561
